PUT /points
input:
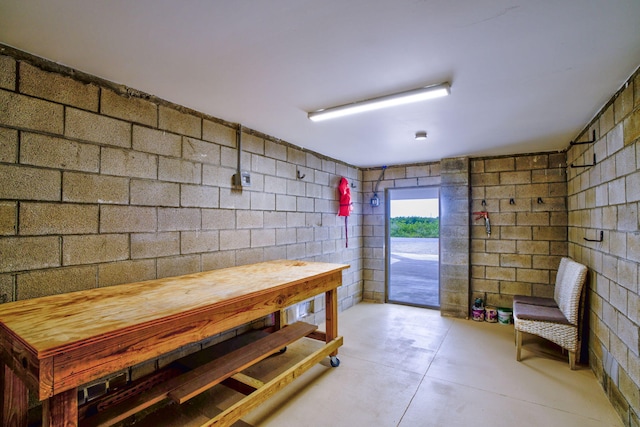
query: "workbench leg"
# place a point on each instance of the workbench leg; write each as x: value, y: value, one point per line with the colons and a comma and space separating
x: 61, y: 410
x: 278, y: 320
x: 15, y: 399
x: 331, y: 321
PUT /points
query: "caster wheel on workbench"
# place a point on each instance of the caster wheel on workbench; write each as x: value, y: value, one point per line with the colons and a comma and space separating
x: 335, y: 362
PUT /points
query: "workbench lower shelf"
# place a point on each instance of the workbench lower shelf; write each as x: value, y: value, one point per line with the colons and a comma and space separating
x: 221, y: 364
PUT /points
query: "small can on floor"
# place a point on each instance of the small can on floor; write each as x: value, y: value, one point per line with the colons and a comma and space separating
x: 490, y: 314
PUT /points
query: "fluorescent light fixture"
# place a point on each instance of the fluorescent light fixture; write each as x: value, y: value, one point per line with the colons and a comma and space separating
x: 400, y: 98
x: 421, y: 134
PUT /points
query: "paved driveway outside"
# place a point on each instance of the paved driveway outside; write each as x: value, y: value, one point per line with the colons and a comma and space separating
x: 414, y: 271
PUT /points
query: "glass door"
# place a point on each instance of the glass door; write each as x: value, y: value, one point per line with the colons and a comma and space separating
x: 413, y: 246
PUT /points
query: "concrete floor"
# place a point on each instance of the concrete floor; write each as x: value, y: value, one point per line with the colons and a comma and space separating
x: 407, y: 366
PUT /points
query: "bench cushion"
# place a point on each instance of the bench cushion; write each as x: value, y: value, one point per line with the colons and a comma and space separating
x: 542, y: 301
x: 539, y: 313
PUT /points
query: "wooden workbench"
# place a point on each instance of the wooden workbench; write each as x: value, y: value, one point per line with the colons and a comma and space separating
x: 53, y: 345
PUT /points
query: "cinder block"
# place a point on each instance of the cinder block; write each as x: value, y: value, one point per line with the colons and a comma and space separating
x: 218, y: 219
x: 8, y: 145
x: 532, y: 218
x: 217, y: 176
x: 501, y: 246
x: 7, y: 72
x: 199, y: 241
x: 199, y: 196
x: 229, y: 158
x: 154, y: 245
x: 55, y: 281
x: 177, y: 170
x: 296, y: 156
x: 549, y: 233
x: 275, y: 219
x: 234, y: 199
x: 499, y: 192
x: 607, y: 120
x: 515, y: 260
x: 252, y: 144
x: 520, y: 177
x: 264, y: 165
x: 154, y: 193
x: 546, y: 262
x: 500, y: 273
x: 623, y: 105
x: 480, y: 179
x: 29, y: 253
x: 531, y: 247
x: 285, y: 203
x: 181, y: 123
x: 8, y: 215
x: 285, y: 236
x: 91, y: 249
x: 96, y: 128
x: 249, y: 256
x: 178, y: 266
x: 515, y: 288
x: 517, y: 233
x: 7, y: 293
x: 29, y: 113
x: 298, y: 251
x: 129, y: 108
x: 57, y: 218
x: 90, y: 188
x: 58, y: 153
x: 275, y: 185
x: 156, y: 141
x: 117, y: 273
x: 234, y: 239
x: 263, y: 201
x: 548, y: 175
x: 249, y: 219
x: 263, y: 237
x: 200, y: 151
x: 275, y: 151
x: 499, y: 164
x: 537, y: 161
x: 127, y: 219
x: 631, y: 127
x: 532, y: 276
x: 308, y: 204
x: 178, y: 219
x: 58, y: 88
x: 218, y: 133
x: 217, y: 260
x: 135, y: 164
x: 29, y: 183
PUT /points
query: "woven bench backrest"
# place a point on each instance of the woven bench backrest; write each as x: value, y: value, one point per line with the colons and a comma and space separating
x: 569, y: 282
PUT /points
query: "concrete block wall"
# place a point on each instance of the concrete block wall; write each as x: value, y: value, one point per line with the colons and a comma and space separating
x: 525, y: 197
x: 455, y: 260
x: 605, y: 198
x: 103, y: 185
x: 374, y: 218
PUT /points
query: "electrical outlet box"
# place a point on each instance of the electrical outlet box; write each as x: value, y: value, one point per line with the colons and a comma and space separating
x: 242, y: 179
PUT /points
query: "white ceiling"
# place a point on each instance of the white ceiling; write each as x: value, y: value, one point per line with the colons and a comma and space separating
x: 525, y: 75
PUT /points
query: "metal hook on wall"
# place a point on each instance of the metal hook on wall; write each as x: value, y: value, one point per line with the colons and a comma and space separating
x: 300, y: 176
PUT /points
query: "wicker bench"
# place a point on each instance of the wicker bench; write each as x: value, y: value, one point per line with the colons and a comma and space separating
x: 556, y: 319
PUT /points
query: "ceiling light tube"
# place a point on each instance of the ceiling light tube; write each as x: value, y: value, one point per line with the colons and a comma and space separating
x: 400, y: 98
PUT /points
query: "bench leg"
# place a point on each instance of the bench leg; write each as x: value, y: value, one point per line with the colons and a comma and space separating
x: 518, y: 344
x: 572, y: 360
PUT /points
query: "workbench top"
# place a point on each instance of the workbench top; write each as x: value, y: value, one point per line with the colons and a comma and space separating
x: 49, y: 325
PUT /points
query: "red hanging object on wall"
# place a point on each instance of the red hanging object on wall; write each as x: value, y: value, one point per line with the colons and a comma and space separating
x: 346, y: 206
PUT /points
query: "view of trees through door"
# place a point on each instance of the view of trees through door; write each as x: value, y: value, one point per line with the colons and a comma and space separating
x: 413, y: 243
